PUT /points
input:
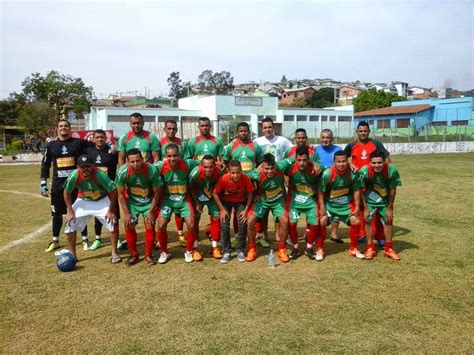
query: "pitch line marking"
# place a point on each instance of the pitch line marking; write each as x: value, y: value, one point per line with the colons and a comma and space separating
x: 29, y: 236
x: 26, y: 238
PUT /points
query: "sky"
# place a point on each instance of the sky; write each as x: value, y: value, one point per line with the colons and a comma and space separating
x: 125, y: 47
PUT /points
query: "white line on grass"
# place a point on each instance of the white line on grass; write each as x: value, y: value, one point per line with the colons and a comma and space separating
x: 23, y: 193
x: 30, y: 236
x: 26, y: 238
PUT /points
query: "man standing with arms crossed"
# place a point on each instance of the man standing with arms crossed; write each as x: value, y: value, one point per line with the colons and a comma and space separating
x: 62, y: 153
x: 205, y: 143
x: 137, y: 138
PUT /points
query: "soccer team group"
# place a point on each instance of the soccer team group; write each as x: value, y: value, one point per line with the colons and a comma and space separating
x: 240, y: 184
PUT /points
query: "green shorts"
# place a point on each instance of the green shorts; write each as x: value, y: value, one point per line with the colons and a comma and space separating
x: 381, y: 211
x: 183, y: 208
x: 309, y: 209
x: 137, y: 210
x: 212, y: 208
x: 262, y: 207
x: 340, y: 215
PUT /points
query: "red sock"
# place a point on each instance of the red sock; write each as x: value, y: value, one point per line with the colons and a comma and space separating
x: 354, y: 235
x: 179, y: 222
x: 258, y: 227
x: 293, y: 233
x: 163, y: 239
x: 149, y: 241
x: 388, y: 245
x: 311, y: 236
x: 370, y: 245
x: 252, y: 246
x: 321, y: 237
x: 281, y: 245
x: 131, y: 237
x: 189, y: 240
x: 215, y: 229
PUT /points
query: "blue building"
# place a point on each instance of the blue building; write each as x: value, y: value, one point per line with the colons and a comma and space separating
x: 412, y: 117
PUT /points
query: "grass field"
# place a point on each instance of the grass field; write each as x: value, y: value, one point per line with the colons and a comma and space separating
x: 424, y: 303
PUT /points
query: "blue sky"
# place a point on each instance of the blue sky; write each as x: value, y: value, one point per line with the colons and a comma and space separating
x: 127, y: 46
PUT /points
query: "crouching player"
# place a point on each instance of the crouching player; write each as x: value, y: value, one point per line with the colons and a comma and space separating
x: 138, y: 186
x: 339, y: 199
x: 234, y: 191
x: 301, y: 199
x: 95, y: 188
x: 202, y: 180
x: 176, y: 199
x: 380, y: 180
x: 270, y: 197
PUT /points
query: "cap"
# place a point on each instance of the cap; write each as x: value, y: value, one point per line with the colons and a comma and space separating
x: 85, y: 160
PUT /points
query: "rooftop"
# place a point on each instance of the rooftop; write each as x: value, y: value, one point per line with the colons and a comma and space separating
x: 394, y: 110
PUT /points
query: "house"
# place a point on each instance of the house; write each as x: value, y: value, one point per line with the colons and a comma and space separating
x: 289, y: 95
x: 347, y: 93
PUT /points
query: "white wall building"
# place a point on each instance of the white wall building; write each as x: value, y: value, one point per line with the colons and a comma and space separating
x: 222, y: 108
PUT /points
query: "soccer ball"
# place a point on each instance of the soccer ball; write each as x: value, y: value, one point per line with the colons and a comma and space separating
x: 65, y: 261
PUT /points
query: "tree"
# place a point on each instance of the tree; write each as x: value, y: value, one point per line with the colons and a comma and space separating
x: 178, y: 89
x: 9, y: 112
x: 215, y: 83
x: 323, y: 97
x: 283, y: 79
x: 62, y: 92
x: 372, y: 99
x: 36, y: 117
x: 299, y: 102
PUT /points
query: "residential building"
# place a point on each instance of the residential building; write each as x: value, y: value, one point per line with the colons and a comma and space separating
x: 289, y: 95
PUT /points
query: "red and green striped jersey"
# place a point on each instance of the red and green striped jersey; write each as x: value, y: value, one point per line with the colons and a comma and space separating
x: 303, y: 185
x: 338, y: 189
x: 182, y: 146
x: 249, y: 154
x: 139, y: 186
x: 175, y: 180
x: 146, y: 143
x: 200, y: 146
x: 272, y: 189
x: 291, y: 153
x: 92, y: 189
x: 377, y: 185
x: 202, y: 185
x: 360, y: 152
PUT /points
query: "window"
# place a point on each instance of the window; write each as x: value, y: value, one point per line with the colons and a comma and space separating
x: 383, y: 123
x: 459, y: 123
x: 166, y: 118
x: 301, y: 118
x: 345, y: 118
x: 314, y: 118
x: 440, y: 123
x: 324, y: 118
x: 403, y: 123
x: 288, y: 118
x: 332, y: 118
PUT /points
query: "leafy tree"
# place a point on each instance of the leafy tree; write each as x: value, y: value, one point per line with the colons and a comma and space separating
x: 62, y: 92
x: 36, y: 117
x: 178, y: 89
x: 323, y: 97
x: 9, y: 112
x: 215, y: 83
x: 299, y: 102
x: 372, y: 99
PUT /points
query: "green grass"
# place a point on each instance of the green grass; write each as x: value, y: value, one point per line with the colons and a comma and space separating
x: 424, y: 303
